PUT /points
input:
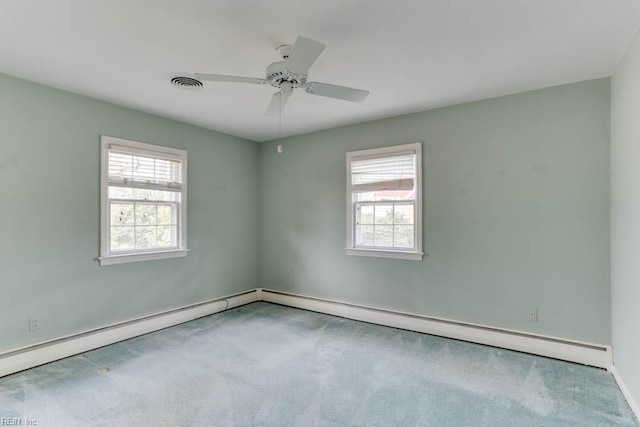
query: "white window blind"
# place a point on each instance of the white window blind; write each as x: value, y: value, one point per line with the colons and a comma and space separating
x: 142, y: 170
x: 383, y: 209
x: 383, y: 173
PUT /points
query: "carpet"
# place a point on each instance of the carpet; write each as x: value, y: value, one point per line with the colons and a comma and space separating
x: 268, y: 365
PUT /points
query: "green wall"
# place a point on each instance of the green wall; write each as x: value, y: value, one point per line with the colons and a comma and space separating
x: 49, y: 216
x: 625, y: 217
x: 516, y: 214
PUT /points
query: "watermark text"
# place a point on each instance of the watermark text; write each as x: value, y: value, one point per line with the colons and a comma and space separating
x: 18, y: 421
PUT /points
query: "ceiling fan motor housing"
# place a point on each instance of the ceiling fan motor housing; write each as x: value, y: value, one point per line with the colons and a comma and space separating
x: 277, y: 74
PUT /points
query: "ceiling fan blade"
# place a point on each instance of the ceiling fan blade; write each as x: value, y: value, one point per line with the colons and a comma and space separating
x: 276, y: 105
x: 231, y: 79
x: 334, y: 91
x: 304, y: 53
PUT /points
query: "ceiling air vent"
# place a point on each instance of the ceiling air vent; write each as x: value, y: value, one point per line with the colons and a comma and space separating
x: 185, y: 82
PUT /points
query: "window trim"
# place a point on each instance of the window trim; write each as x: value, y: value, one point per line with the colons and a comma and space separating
x: 351, y: 249
x: 107, y: 258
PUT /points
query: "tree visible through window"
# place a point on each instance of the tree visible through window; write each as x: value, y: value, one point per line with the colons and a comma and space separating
x: 385, y: 225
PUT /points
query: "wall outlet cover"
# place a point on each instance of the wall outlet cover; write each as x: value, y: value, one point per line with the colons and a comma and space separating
x: 34, y: 324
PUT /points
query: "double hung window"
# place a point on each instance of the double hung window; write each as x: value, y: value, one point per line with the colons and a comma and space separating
x: 143, y: 214
x: 384, y: 202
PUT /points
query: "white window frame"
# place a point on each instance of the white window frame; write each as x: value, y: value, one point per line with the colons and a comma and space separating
x: 106, y: 256
x: 414, y: 254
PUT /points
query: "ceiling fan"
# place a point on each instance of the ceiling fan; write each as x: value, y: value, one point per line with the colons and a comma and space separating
x: 291, y: 73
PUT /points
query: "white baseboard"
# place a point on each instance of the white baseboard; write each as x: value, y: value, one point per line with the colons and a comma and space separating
x: 633, y: 404
x: 597, y: 355
x: 45, y: 352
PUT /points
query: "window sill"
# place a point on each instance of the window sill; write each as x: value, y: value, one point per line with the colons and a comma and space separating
x: 378, y: 253
x: 145, y: 256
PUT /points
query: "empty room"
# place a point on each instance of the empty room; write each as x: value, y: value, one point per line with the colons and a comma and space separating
x: 337, y: 213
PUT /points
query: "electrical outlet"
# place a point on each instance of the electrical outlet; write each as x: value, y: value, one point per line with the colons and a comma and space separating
x: 34, y: 324
x: 533, y: 315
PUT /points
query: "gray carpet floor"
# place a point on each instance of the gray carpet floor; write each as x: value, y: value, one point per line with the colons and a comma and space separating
x: 267, y: 365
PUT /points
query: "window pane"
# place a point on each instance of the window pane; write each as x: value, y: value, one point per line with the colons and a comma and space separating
x: 403, y: 214
x: 403, y: 236
x: 145, y: 214
x: 145, y: 237
x: 121, y: 238
x: 387, y: 195
x: 143, y: 194
x: 122, y: 214
x: 366, y: 214
x: 366, y: 197
x: 383, y: 235
x: 403, y: 195
x: 120, y: 193
x: 165, y: 215
x: 384, y: 214
x: 364, y: 235
x: 167, y: 235
x: 155, y: 195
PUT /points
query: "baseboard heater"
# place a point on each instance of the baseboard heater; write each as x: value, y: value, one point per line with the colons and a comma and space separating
x: 34, y: 355
x: 573, y: 351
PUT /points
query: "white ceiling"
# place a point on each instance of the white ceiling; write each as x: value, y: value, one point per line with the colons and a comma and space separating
x: 411, y: 54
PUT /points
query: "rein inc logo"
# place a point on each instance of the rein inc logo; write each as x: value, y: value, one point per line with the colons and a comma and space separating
x: 17, y: 421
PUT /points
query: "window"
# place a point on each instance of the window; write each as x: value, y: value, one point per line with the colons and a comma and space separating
x: 143, y: 202
x: 384, y: 208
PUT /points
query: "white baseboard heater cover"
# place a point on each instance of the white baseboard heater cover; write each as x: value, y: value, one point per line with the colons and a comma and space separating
x: 573, y: 351
x: 34, y: 355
